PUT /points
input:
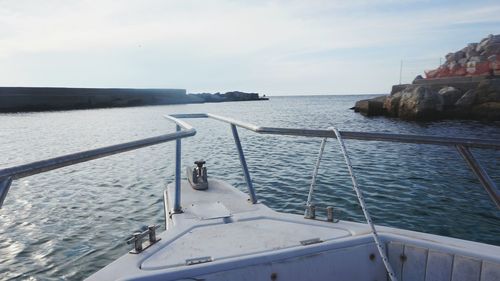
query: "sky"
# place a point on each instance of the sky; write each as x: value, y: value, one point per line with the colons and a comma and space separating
x: 270, y: 47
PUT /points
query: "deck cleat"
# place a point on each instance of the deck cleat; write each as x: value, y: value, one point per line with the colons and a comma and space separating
x: 197, y: 177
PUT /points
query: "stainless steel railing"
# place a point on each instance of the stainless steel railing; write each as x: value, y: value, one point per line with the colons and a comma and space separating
x: 461, y: 144
x: 184, y: 130
x: 7, y: 175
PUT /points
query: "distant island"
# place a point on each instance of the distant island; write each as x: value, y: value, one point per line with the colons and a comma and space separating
x: 19, y: 99
x: 465, y: 86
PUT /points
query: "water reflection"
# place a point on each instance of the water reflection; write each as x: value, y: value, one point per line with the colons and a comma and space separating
x: 68, y: 223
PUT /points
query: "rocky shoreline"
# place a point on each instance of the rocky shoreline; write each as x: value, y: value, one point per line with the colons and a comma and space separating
x: 466, y: 86
x: 226, y: 97
x: 452, y: 100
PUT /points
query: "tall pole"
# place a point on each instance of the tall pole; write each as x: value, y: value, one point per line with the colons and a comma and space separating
x: 400, y: 72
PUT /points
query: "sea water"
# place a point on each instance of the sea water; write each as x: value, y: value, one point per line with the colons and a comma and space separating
x: 69, y: 223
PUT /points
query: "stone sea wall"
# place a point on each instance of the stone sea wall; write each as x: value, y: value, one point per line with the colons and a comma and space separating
x: 17, y: 99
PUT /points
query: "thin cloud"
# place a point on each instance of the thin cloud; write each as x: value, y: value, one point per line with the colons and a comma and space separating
x: 276, y: 45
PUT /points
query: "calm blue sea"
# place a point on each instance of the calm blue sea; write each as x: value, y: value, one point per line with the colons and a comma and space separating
x: 68, y: 223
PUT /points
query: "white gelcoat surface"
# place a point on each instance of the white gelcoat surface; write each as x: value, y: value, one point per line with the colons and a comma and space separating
x: 253, y: 242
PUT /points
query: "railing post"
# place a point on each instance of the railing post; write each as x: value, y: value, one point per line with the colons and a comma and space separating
x: 251, y: 191
x: 313, y: 180
x: 177, y: 203
x: 4, y: 188
x: 480, y: 173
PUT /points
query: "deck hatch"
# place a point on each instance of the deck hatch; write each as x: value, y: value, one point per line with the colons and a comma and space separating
x: 208, y: 210
x: 238, y: 239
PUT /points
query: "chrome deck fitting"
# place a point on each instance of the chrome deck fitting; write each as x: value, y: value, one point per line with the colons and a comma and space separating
x: 198, y: 177
x: 138, y: 236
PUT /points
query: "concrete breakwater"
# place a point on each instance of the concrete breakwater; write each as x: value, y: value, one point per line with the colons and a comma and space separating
x: 17, y: 99
x: 474, y: 59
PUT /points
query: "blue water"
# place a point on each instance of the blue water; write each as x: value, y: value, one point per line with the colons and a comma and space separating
x: 69, y: 223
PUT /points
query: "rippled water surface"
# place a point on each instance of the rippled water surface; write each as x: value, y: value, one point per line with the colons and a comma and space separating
x: 69, y: 223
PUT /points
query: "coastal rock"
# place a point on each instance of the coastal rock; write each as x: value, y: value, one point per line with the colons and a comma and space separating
x: 487, y: 111
x: 470, y: 50
x: 450, y: 95
x: 488, y: 90
x: 229, y: 96
x: 391, y: 104
x: 450, y: 57
x: 467, y: 100
x: 491, y: 49
x: 370, y: 107
x: 432, y: 101
x: 399, y: 88
x: 462, y: 62
x: 421, y: 103
x: 241, y: 96
x: 484, y: 42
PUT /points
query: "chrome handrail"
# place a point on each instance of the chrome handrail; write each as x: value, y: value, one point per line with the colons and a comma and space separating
x: 461, y: 144
x: 403, y: 138
x: 7, y: 175
x: 184, y: 130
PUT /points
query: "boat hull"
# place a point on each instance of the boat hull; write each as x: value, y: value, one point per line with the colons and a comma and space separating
x: 220, y: 235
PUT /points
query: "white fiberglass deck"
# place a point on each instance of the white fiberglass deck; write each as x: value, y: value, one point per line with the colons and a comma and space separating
x: 236, y: 240
x: 222, y: 224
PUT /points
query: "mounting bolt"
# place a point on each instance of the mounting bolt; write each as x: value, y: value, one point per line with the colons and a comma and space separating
x: 402, y: 257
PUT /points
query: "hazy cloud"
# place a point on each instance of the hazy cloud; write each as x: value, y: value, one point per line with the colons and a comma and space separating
x: 272, y: 46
